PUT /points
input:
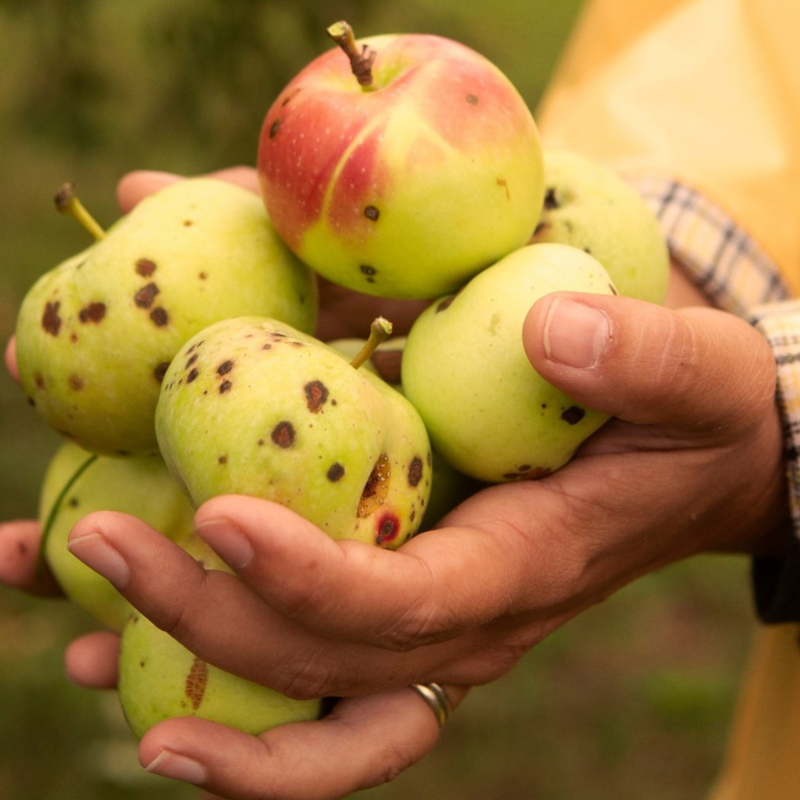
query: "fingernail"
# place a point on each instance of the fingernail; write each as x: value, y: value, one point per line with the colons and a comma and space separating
x: 227, y: 541
x: 96, y: 552
x: 181, y: 768
x: 575, y: 334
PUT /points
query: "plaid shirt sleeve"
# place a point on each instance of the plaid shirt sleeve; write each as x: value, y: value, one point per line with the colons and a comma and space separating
x: 737, y: 275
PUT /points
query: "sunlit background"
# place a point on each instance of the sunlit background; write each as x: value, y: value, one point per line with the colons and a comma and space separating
x: 632, y: 700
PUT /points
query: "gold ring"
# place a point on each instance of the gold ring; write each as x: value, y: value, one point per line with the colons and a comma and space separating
x: 436, y: 698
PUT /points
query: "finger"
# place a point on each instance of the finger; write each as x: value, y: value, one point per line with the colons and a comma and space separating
x: 397, y: 600
x: 217, y: 617
x: 693, y: 369
x: 19, y: 559
x: 135, y: 186
x: 364, y: 742
x: 92, y: 660
x: 11, y: 358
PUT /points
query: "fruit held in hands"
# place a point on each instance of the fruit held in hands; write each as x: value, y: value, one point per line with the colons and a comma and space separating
x: 590, y: 207
x: 406, y: 186
x: 159, y: 678
x: 488, y: 412
x: 252, y: 406
x: 95, y: 334
x: 139, y: 486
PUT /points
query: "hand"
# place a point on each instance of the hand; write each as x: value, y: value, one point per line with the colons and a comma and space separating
x: 692, y: 463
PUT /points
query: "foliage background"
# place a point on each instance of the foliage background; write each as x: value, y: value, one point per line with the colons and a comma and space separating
x: 631, y: 700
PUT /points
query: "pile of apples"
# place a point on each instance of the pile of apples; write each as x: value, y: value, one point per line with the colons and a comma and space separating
x: 177, y: 357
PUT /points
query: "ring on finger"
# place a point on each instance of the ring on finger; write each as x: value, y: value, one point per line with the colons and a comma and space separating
x: 436, y: 698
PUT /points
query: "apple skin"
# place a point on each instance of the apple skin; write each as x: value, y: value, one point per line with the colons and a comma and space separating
x: 408, y: 190
x: 160, y: 679
x: 488, y: 412
x: 589, y: 206
x: 139, y: 486
x: 252, y: 406
x: 95, y: 334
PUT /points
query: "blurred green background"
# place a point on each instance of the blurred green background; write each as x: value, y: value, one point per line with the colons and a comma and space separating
x: 632, y: 700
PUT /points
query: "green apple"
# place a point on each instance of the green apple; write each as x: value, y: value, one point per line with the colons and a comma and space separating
x: 159, y: 679
x: 253, y: 406
x: 401, y: 167
x: 95, y: 334
x: 488, y: 412
x: 77, y: 483
x: 589, y: 206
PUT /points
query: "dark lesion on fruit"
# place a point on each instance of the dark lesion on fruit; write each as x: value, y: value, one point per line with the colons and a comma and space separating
x: 274, y: 128
x: 386, y: 529
x: 225, y: 367
x: 93, y: 312
x: 145, y: 267
x: 160, y: 370
x: 573, y: 415
x: 415, y: 471
x: 526, y: 472
x: 159, y: 317
x: 551, y: 201
x: 192, y: 376
x: 145, y: 296
x: 283, y: 434
x: 225, y: 386
x: 368, y: 271
x: 222, y: 460
x: 444, y: 304
x: 376, y: 488
x: 75, y: 383
x: 196, y: 682
x: 316, y: 395
x: 372, y: 212
x: 472, y: 99
x: 51, y: 319
x: 335, y: 472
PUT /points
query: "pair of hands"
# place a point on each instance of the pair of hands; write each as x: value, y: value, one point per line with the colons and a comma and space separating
x: 691, y: 462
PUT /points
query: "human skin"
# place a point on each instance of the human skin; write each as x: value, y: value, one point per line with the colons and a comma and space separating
x: 692, y: 393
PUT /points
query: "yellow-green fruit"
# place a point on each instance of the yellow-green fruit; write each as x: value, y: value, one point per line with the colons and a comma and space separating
x: 592, y: 208
x: 95, y: 334
x: 487, y: 411
x: 159, y: 679
x: 139, y: 486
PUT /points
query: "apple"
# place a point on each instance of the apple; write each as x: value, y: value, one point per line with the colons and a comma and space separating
x: 487, y: 411
x: 95, y: 334
x: 402, y: 166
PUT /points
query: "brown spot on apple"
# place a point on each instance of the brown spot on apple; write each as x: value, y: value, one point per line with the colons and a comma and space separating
x: 472, y: 99
x: 159, y: 317
x: 145, y: 296
x: 196, y: 682
x: 376, y: 488
x: 225, y: 386
x: 225, y: 367
x: 283, y: 434
x: 369, y: 271
x: 371, y: 212
x: 335, y: 472
x: 387, y: 528
x: 145, y: 267
x: 274, y: 128
x: 573, y: 415
x: 316, y: 396
x: 192, y: 376
x: 160, y: 370
x: 415, y: 471
x: 94, y: 312
x: 75, y: 382
x: 51, y: 320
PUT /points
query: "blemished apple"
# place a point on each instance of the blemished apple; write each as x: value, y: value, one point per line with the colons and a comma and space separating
x: 252, y: 406
x: 160, y: 679
x: 589, y: 206
x: 95, y: 334
x: 488, y: 412
x: 406, y: 180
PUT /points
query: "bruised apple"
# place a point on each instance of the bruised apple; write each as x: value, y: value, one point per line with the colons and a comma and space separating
x: 402, y: 166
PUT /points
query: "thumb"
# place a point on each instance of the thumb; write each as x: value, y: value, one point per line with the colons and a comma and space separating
x: 696, y: 369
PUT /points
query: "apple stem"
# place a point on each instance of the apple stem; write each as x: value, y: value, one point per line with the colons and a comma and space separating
x: 51, y: 517
x: 360, y: 60
x: 379, y: 331
x: 67, y: 202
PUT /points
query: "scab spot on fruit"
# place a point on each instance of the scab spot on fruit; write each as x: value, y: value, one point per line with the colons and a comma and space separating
x: 225, y: 367
x: 223, y: 459
x: 415, y: 471
x: 196, y: 682
x: 283, y: 434
x: 145, y: 296
x: 335, y: 472
x: 387, y: 529
x: 51, y: 320
x: 376, y: 488
x: 94, y: 312
x: 371, y: 212
x: 75, y: 382
x: 316, y: 396
x: 551, y: 201
x: 573, y: 415
x: 160, y: 370
x: 38, y: 379
x: 472, y: 99
x: 145, y: 267
x: 192, y: 376
x: 273, y: 129
x: 159, y: 317
x: 369, y: 271
x: 225, y: 386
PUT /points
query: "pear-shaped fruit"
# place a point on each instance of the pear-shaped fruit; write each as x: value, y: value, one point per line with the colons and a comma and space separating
x: 488, y: 412
x: 96, y: 334
x: 159, y: 678
x: 253, y: 406
x: 141, y: 486
x: 590, y: 207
